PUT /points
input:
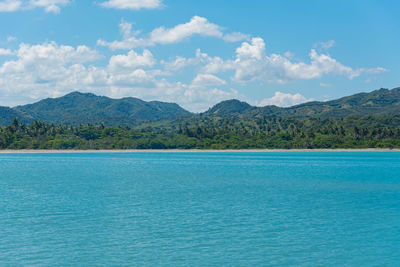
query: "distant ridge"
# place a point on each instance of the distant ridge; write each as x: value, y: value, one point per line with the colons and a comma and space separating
x: 8, y: 114
x: 378, y: 102
x: 229, y: 107
x: 83, y: 108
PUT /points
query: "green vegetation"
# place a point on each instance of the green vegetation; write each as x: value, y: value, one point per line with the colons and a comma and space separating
x: 378, y: 103
x: 205, y: 132
x: 87, y: 121
x: 83, y: 108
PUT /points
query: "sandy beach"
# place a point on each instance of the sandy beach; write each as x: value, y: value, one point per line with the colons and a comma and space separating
x: 194, y: 150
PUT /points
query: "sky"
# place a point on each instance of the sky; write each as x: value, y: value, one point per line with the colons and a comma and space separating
x: 198, y: 53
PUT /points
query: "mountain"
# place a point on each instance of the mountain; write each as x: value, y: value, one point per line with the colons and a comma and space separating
x: 7, y: 115
x: 378, y: 102
x: 229, y: 108
x: 82, y: 108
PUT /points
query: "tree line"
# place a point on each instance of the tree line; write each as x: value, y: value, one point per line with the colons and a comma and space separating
x: 205, y: 132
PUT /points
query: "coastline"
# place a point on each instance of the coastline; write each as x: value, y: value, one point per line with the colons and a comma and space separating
x: 51, y: 151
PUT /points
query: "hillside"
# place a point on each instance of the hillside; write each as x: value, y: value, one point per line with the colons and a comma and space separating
x: 229, y: 108
x: 82, y: 108
x: 8, y: 114
x: 379, y: 102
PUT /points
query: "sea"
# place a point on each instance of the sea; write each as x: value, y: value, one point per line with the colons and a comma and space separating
x: 200, y: 209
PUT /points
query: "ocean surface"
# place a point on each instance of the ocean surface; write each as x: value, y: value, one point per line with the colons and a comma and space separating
x: 200, y: 209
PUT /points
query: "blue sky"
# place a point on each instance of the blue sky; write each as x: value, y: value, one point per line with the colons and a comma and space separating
x: 197, y: 53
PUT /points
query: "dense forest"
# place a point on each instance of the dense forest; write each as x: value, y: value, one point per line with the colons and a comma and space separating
x: 205, y: 132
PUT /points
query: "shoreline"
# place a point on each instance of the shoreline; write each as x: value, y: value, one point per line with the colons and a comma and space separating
x: 51, y: 151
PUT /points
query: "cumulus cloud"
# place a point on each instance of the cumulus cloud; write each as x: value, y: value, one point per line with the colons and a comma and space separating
x: 5, y: 52
x: 162, y: 35
x: 10, y: 5
x: 252, y: 63
x: 32, y: 72
x: 207, y: 80
x: 176, y: 64
x: 129, y: 39
x: 208, y: 64
x: 50, y: 6
x: 132, y: 60
x: 42, y: 70
x: 132, y: 4
x: 284, y: 100
x: 201, y: 100
x: 196, y: 96
x: 197, y: 25
x: 52, y: 70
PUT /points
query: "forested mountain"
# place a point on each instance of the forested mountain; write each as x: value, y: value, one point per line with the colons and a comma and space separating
x: 85, y: 108
x: 229, y: 108
x: 380, y: 102
x: 8, y: 114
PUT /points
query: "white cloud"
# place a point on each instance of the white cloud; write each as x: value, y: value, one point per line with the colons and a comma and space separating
x: 10, y: 5
x: 325, y: 45
x: 5, y: 52
x: 201, y: 100
x: 129, y: 39
x: 135, y: 78
x: 207, y: 80
x: 254, y: 50
x: 52, y: 70
x: 196, y: 26
x: 43, y: 70
x: 132, y: 4
x: 132, y: 60
x: 209, y: 64
x: 50, y: 6
x: 236, y: 37
x: 31, y: 59
x: 177, y: 64
x: 288, y: 54
x: 325, y: 85
x: 252, y: 63
x: 377, y: 70
x: 11, y: 39
x: 284, y: 100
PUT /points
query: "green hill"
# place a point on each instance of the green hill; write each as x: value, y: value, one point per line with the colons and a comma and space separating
x: 379, y: 102
x: 8, y: 114
x: 83, y: 108
x: 229, y: 108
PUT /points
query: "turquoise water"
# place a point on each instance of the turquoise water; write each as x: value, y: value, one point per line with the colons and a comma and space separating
x: 200, y: 209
